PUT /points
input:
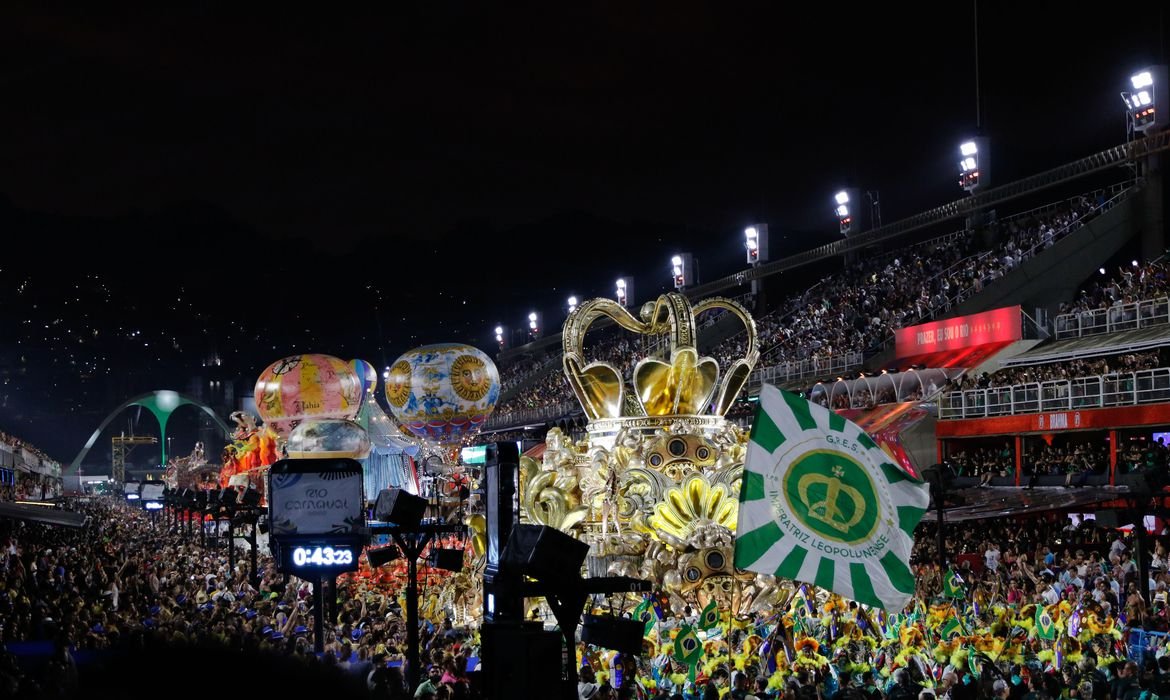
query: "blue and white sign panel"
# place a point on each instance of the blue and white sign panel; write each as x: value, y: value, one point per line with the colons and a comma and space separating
x: 316, y: 497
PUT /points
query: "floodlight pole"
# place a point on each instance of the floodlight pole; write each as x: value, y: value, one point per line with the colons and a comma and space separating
x: 319, y: 613
x: 936, y: 477
x: 231, y: 544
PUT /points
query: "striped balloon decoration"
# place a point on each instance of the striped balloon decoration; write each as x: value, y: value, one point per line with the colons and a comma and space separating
x: 367, y: 375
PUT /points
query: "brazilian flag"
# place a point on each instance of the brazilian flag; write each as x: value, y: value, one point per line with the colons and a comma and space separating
x: 688, y: 649
x: 953, y: 585
x: 644, y: 613
x: 709, y: 618
x: 1045, y: 626
x: 890, y: 625
x: 952, y: 628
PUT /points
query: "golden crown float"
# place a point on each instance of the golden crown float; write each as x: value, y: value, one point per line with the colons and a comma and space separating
x: 654, y: 486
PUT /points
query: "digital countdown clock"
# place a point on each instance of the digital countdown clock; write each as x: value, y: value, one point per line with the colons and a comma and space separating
x: 321, y: 556
x: 325, y: 558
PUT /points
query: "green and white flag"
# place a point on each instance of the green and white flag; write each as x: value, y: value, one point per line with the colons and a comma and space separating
x: 822, y: 503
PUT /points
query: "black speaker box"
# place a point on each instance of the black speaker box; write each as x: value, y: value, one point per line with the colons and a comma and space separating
x: 402, y: 508
x: 501, y: 472
x: 520, y: 661
x: 544, y: 553
x: 251, y: 498
x: 228, y: 496
x: 617, y: 633
x: 447, y: 559
x: 381, y: 556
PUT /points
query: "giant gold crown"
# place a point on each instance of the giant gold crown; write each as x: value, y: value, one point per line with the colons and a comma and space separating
x: 675, y: 381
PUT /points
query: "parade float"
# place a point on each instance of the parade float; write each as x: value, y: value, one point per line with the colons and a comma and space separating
x: 656, y: 486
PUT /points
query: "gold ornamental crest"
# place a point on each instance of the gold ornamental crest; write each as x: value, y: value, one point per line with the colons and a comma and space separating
x: 679, y: 382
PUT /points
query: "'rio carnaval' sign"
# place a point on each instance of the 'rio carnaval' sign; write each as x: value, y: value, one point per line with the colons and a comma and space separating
x: 823, y: 504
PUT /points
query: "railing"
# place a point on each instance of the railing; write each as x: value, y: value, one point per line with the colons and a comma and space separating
x: 1119, y: 317
x: 525, y: 416
x: 1100, y: 391
x: 791, y: 371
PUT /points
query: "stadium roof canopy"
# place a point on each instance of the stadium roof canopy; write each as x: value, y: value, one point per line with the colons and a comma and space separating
x: 1138, y: 340
x: 997, y: 502
x: 46, y: 513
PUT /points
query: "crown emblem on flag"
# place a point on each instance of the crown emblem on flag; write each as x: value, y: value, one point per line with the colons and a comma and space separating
x: 827, y: 510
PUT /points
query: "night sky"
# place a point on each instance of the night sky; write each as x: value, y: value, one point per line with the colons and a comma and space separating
x: 177, y: 184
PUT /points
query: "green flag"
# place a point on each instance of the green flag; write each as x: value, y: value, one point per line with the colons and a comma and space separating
x: 971, y: 661
x: 709, y: 618
x: 953, y: 585
x: 644, y: 613
x: 688, y: 649
x: 1045, y: 627
x: 821, y: 502
x: 953, y: 628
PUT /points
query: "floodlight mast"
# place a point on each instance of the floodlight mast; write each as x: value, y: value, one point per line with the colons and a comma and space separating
x: 1147, y: 105
x: 682, y: 269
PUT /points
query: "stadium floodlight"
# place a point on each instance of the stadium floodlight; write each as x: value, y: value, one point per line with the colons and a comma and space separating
x: 572, y: 304
x: 1148, y: 98
x: 845, y: 200
x: 624, y: 290
x: 755, y: 240
x: 682, y: 268
x: 534, y: 324
x: 973, y: 164
x: 1141, y: 80
x: 500, y: 336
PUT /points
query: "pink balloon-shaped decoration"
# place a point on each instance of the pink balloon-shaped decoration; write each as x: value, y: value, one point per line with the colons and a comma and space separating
x: 304, y: 387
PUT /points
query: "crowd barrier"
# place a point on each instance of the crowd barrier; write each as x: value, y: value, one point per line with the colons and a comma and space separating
x: 1099, y: 391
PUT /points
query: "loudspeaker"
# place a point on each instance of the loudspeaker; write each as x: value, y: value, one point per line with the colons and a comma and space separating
x: 544, y: 553
x: 400, y: 507
x: 447, y: 559
x: 501, y: 468
x: 617, y: 633
x: 251, y: 498
x: 228, y: 496
x: 520, y: 660
x: 381, y: 555
x: 201, y: 499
